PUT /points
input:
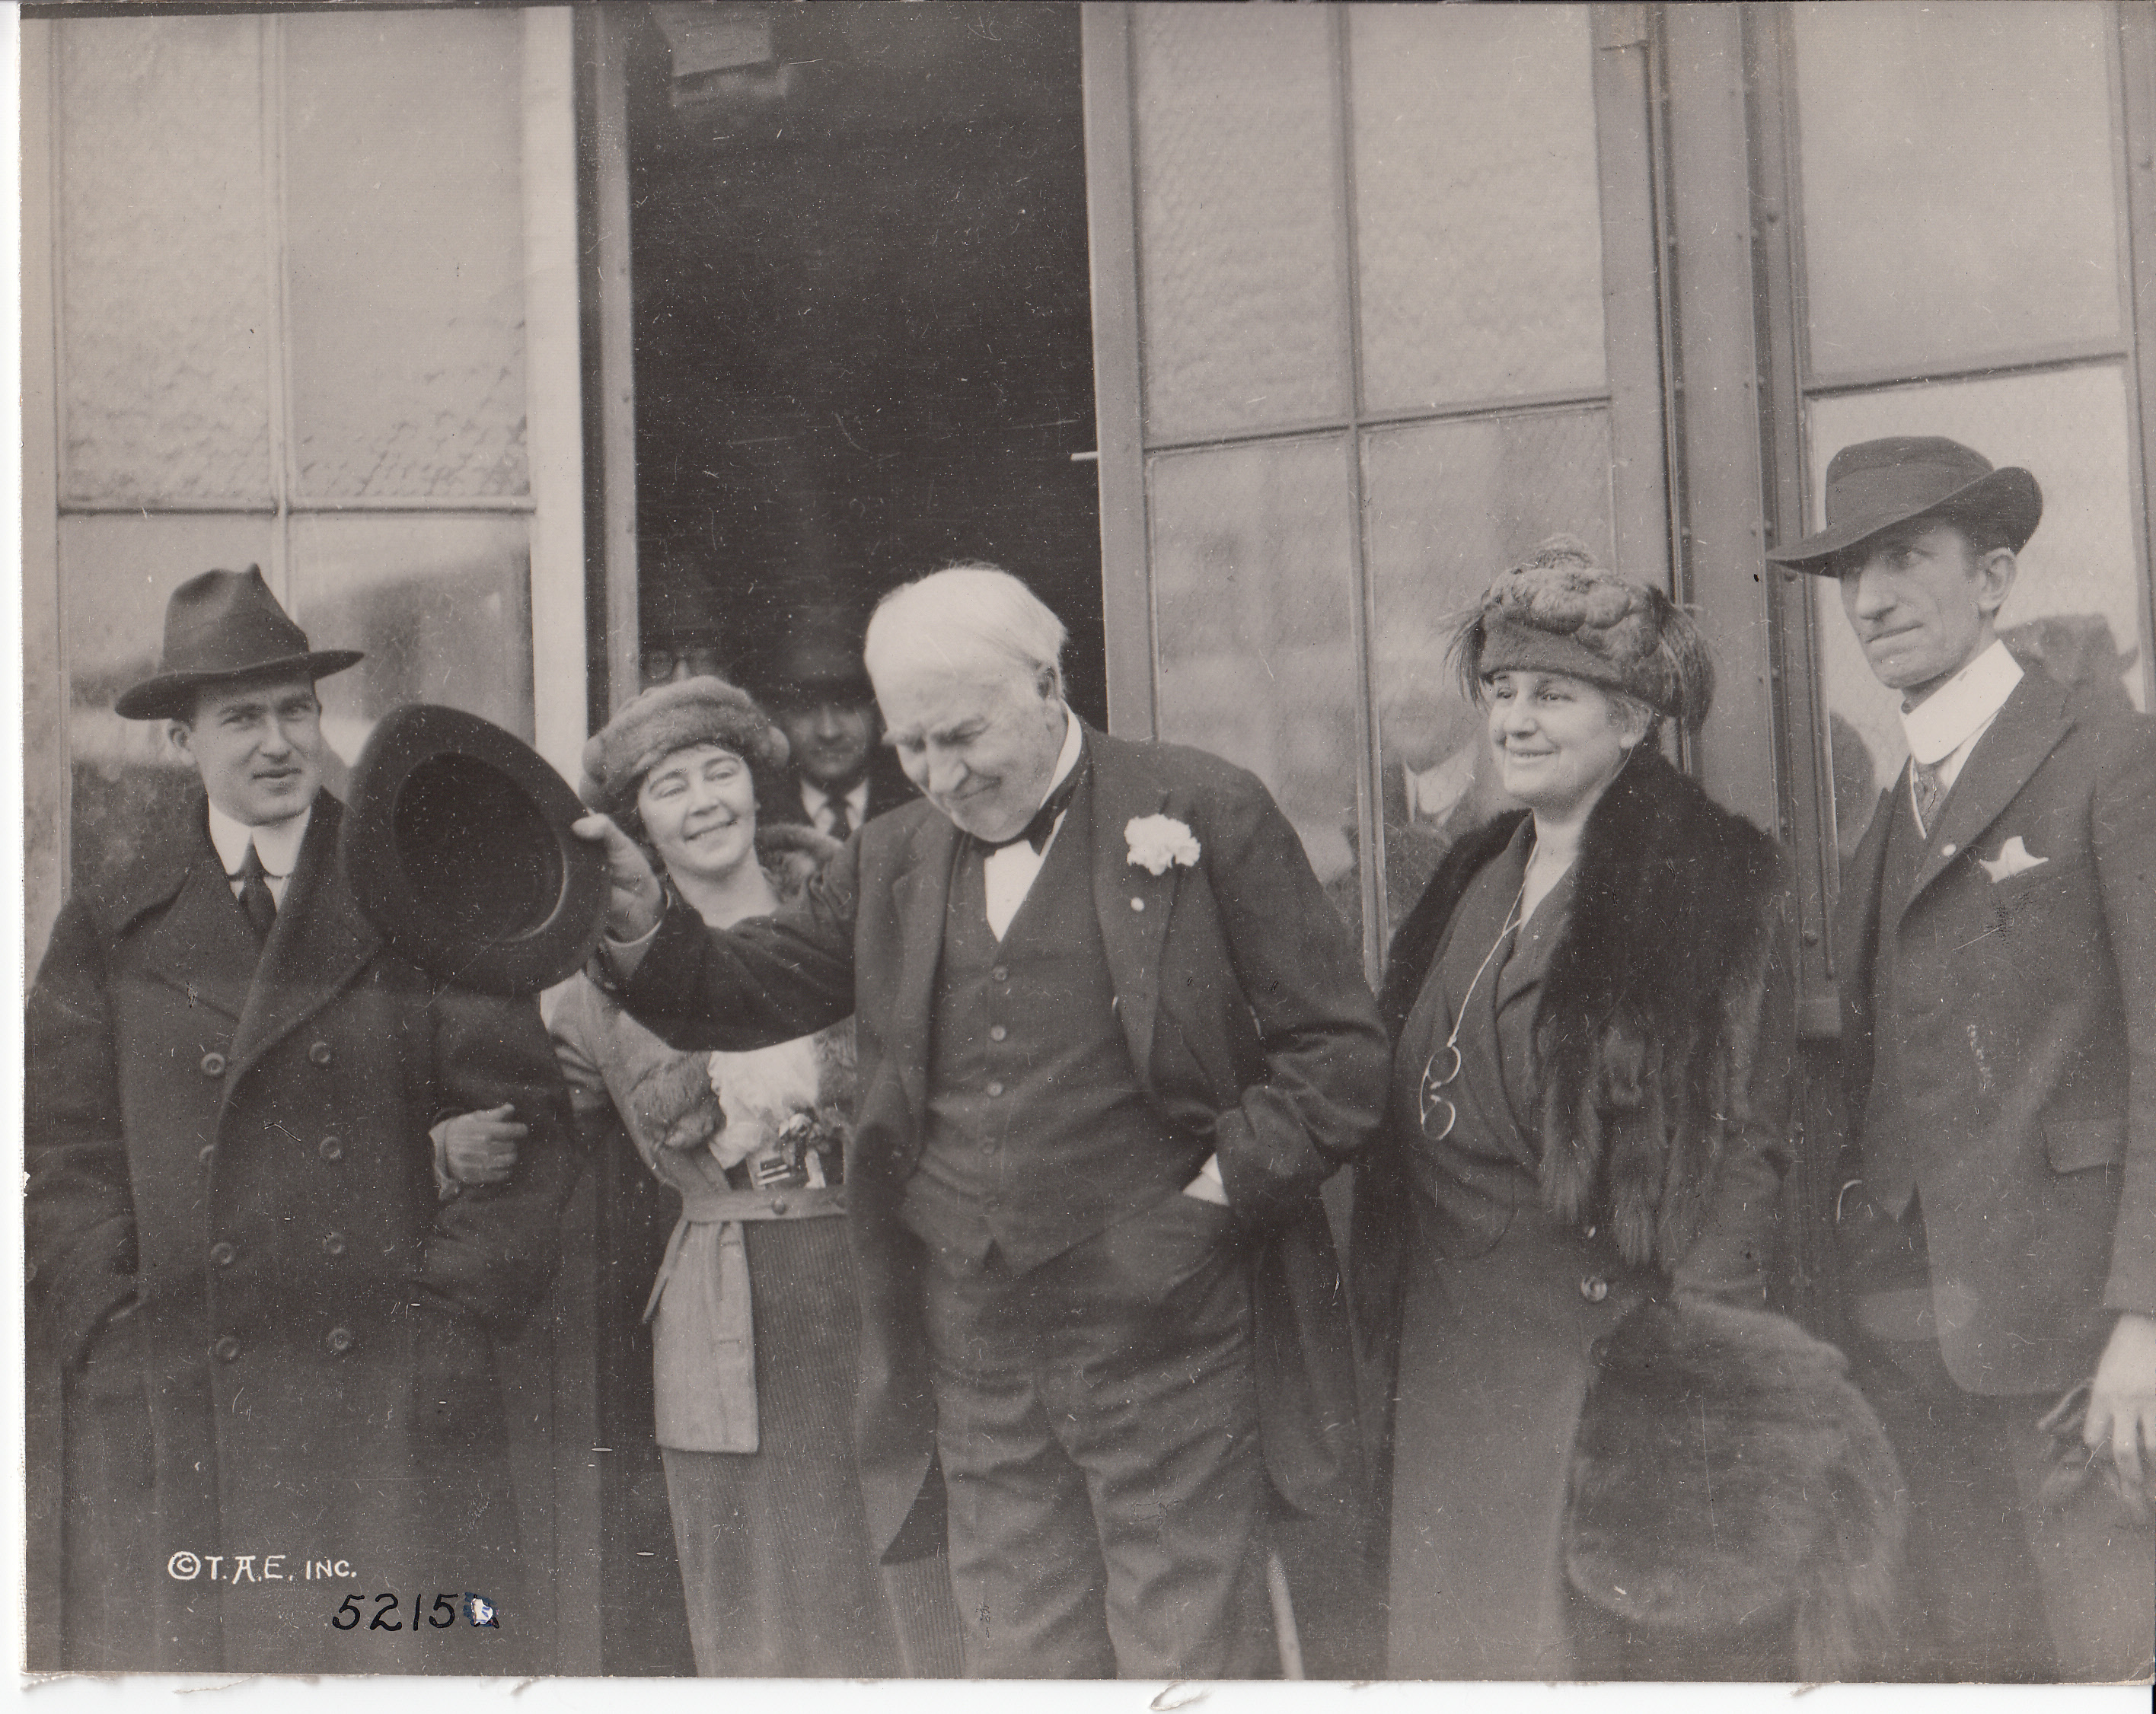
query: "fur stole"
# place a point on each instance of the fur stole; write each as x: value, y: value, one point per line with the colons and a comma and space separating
x: 1649, y: 1018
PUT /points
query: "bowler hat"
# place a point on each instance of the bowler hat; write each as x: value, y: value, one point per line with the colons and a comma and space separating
x: 815, y: 662
x: 1875, y: 485
x: 456, y: 846
x: 219, y: 628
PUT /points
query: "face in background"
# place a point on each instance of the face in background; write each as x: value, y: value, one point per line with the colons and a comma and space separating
x: 978, y: 736
x: 698, y: 808
x: 830, y: 739
x: 258, y: 748
x: 1923, y: 602
x: 1558, y: 739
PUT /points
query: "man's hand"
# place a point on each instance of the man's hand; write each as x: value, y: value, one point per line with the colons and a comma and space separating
x: 635, y: 900
x: 481, y: 1147
x: 2121, y: 1407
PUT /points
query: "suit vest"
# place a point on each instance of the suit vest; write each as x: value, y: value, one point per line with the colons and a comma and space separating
x: 1890, y: 1145
x: 1039, y: 1131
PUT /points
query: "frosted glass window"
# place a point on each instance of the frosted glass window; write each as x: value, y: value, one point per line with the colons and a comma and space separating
x: 1450, y: 504
x: 165, y: 322
x: 1478, y: 208
x: 2078, y: 600
x: 406, y: 260
x: 1239, y: 270
x: 1959, y: 165
x: 1255, y: 606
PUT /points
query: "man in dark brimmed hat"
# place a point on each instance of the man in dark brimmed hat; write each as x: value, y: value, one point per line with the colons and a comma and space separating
x: 273, y: 1336
x: 819, y: 692
x: 1996, y: 936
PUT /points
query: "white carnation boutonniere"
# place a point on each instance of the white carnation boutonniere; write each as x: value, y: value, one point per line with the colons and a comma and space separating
x: 1156, y: 841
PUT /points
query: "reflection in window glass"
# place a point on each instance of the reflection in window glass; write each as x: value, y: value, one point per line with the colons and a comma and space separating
x: 1478, y: 211
x: 1238, y: 254
x: 2077, y: 602
x: 1958, y: 164
x: 1255, y: 607
x: 1450, y: 504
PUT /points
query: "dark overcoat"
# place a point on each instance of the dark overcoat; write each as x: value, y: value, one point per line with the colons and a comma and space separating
x: 1243, y: 1005
x: 2029, y: 1074
x: 276, y: 1338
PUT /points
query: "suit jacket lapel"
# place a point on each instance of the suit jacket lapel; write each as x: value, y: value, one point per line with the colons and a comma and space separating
x: 202, y: 945
x: 2028, y: 729
x: 1133, y: 904
x: 920, y: 894
x: 318, y: 943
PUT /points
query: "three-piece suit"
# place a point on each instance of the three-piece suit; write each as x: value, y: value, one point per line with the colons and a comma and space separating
x: 1039, y: 1295
x: 1999, y: 996
x: 275, y: 1337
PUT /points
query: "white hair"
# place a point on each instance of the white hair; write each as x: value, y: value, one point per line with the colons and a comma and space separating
x: 968, y: 609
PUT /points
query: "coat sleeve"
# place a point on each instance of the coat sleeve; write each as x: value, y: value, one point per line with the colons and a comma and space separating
x: 78, y: 1213
x: 1321, y: 1097
x: 767, y: 980
x: 494, y: 1248
x: 2123, y: 832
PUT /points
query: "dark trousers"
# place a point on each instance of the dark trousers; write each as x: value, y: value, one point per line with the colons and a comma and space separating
x: 1096, y: 1421
x: 1998, y: 1587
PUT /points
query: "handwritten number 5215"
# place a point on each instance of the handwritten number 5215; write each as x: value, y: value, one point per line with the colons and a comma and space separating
x: 348, y: 1615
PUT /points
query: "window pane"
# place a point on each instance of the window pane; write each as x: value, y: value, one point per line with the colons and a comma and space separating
x: 1239, y: 265
x: 117, y: 571
x: 1450, y: 505
x: 1958, y: 165
x: 2078, y: 598
x: 442, y: 606
x: 1478, y: 210
x: 164, y: 293
x: 407, y: 257
x: 1254, y: 609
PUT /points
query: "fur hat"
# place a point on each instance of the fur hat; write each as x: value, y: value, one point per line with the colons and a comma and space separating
x: 1727, y: 1472
x: 656, y: 722
x: 1558, y: 612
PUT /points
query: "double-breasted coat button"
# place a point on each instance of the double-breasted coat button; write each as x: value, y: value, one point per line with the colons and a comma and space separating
x: 997, y: 1032
x: 330, y: 1148
x: 339, y: 1340
x: 206, y: 1155
x: 1137, y: 904
x: 1001, y: 972
x: 1594, y: 1288
x: 226, y: 1350
x: 319, y: 1052
x: 223, y: 1254
x: 333, y: 1245
x: 212, y: 1065
x: 1592, y: 1230
x: 1948, y: 849
x: 995, y: 1089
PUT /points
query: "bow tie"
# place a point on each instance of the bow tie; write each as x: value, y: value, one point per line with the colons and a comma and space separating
x: 1035, y: 833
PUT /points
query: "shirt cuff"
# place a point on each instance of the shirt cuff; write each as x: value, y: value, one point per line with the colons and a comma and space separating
x: 623, y: 956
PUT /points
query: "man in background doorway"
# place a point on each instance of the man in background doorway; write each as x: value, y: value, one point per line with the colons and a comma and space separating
x: 1996, y: 936
x: 819, y: 692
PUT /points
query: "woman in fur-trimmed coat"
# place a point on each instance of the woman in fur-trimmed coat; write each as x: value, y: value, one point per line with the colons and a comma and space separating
x: 1593, y: 1032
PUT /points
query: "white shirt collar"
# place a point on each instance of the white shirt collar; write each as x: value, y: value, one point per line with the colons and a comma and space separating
x: 1962, y: 707
x: 1074, y: 741
x: 277, y: 841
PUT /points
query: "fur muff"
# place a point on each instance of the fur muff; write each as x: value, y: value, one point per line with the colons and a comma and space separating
x: 1728, y: 1474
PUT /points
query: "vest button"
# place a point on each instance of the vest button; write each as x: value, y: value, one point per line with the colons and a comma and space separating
x: 1595, y: 1289
x: 212, y: 1065
x: 226, y: 1350
x: 339, y: 1340
x: 997, y: 1032
x: 1592, y: 1230
x: 207, y: 1156
x: 330, y: 1148
x: 1001, y: 972
x: 995, y: 1089
x: 1137, y: 904
x: 319, y: 1052
x: 224, y: 1255
x: 1948, y: 849
x: 333, y: 1245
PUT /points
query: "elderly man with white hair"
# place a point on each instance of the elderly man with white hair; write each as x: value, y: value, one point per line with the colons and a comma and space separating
x: 1112, y: 1038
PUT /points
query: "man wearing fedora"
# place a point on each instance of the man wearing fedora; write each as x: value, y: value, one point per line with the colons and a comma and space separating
x: 273, y: 1334
x: 1112, y: 1038
x: 819, y: 692
x: 1996, y: 940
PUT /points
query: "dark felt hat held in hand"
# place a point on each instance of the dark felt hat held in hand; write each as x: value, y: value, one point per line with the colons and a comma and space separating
x: 1875, y: 485
x: 456, y: 845
x: 221, y: 627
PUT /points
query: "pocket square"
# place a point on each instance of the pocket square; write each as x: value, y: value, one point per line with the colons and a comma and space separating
x: 2012, y: 860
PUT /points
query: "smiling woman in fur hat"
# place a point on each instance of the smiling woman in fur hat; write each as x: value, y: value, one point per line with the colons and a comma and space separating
x: 1592, y: 1021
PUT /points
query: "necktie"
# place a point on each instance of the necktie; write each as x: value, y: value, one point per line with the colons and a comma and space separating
x: 1931, y: 793
x: 1035, y: 833
x: 255, y: 898
x: 842, y: 824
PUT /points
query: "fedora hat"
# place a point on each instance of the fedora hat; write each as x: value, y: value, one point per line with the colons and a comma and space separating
x: 222, y: 627
x: 1875, y: 485
x: 456, y: 846
x: 815, y: 662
